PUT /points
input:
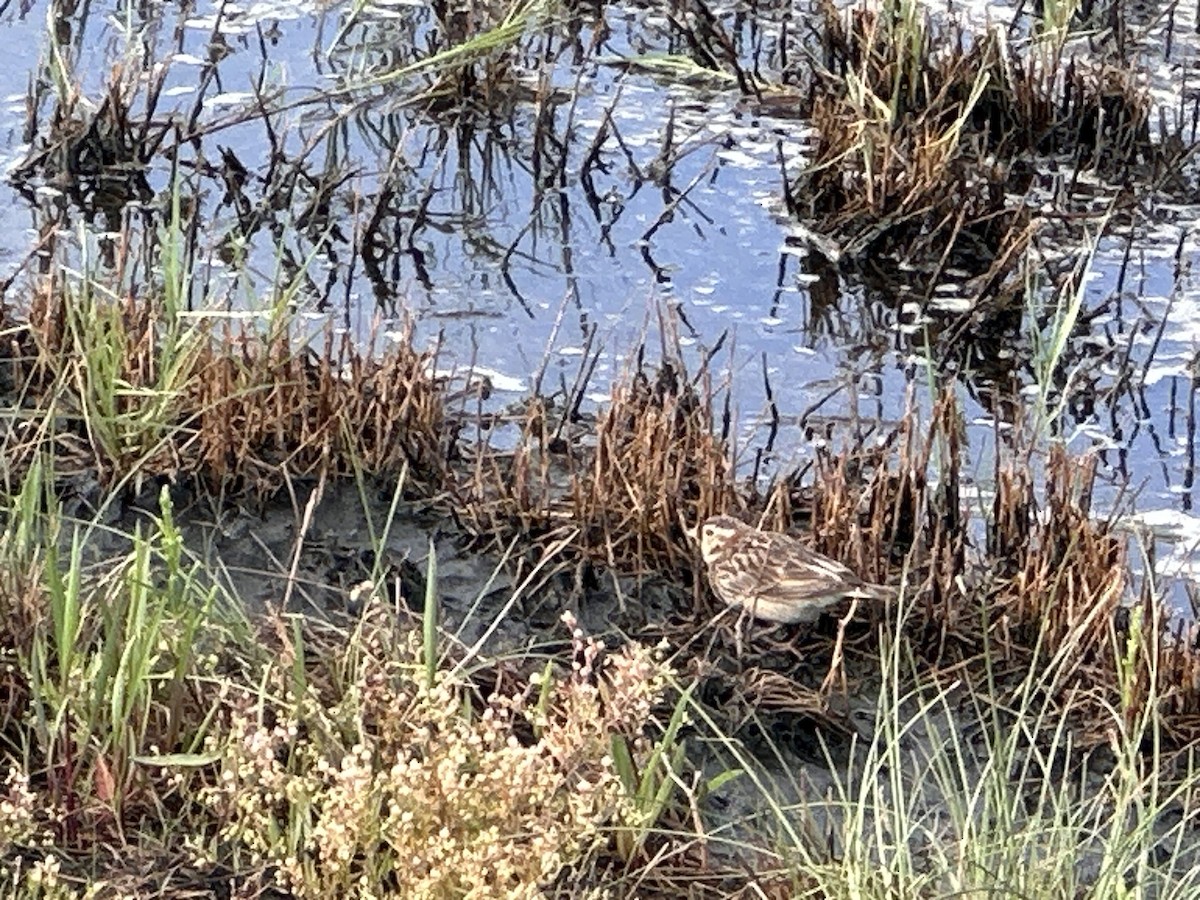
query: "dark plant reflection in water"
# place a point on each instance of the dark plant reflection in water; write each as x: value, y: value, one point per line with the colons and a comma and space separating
x: 535, y: 206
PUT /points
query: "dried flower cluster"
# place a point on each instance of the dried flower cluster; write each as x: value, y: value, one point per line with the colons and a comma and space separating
x: 422, y: 790
x: 30, y: 867
x: 18, y: 805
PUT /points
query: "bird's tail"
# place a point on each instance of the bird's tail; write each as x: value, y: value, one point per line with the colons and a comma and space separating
x: 881, y: 592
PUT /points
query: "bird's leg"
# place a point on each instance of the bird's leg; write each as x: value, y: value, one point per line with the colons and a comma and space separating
x: 749, y: 613
x: 836, y: 668
x: 737, y: 632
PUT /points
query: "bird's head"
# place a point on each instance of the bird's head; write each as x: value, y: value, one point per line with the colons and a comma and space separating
x: 716, y: 534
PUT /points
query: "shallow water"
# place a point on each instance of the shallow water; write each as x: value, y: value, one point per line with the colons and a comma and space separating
x: 527, y: 239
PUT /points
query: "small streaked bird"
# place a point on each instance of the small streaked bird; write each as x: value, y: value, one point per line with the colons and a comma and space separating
x: 773, y: 577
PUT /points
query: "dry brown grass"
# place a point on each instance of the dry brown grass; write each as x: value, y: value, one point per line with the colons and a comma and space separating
x: 652, y: 466
x: 324, y: 762
x: 265, y: 408
x: 924, y: 134
x: 897, y: 170
x: 1070, y: 569
x: 244, y: 406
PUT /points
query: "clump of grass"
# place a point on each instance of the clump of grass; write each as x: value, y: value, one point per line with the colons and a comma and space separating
x: 924, y: 134
x: 658, y: 462
x: 134, y: 384
x: 275, y: 408
x: 1048, y: 575
x: 897, y: 170
x: 869, y: 507
x: 116, y: 369
x: 872, y: 507
x: 95, y: 149
x: 103, y: 663
x: 1070, y: 570
x: 653, y: 465
x: 1068, y: 585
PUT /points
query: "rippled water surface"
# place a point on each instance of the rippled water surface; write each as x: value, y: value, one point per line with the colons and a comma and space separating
x: 580, y: 204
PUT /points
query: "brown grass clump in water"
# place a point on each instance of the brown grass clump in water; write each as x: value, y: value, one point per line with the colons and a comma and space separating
x: 1059, y: 592
x: 652, y: 466
x: 868, y: 506
x: 1070, y: 570
x: 922, y: 142
x: 1063, y: 602
x: 149, y: 391
x: 657, y: 464
x: 896, y: 171
x: 270, y: 408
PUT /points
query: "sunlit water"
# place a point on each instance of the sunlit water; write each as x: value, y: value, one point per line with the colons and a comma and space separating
x: 518, y: 276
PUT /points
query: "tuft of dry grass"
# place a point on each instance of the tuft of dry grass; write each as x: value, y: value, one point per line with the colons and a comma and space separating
x: 900, y: 169
x: 652, y: 466
x: 1070, y: 569
x: 925, y: 132
x: 133, y: 386
x: 270, y: 408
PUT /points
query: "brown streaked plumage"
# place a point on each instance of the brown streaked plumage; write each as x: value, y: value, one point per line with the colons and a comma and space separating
x: 774, y: 577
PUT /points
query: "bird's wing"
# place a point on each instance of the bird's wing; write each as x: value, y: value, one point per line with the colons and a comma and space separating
x: 799, y: 575
x: 774, y: 570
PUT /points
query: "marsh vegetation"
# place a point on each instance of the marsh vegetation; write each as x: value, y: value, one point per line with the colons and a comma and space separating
x: 312, y: 585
